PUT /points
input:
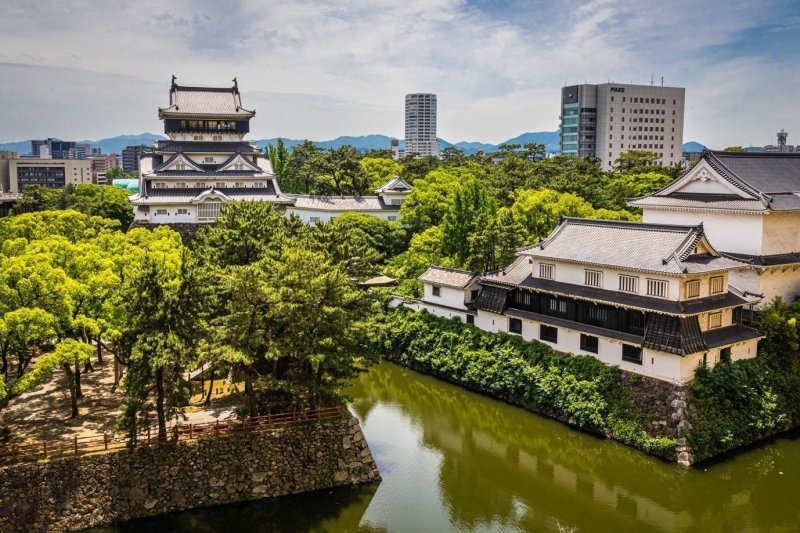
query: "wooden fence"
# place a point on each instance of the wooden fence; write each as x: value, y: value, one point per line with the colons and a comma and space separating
x: 100, y: 443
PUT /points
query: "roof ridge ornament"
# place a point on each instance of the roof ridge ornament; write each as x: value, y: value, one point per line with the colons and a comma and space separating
x: 174, y: 82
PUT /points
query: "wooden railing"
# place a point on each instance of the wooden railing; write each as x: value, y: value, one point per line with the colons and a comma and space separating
x: 100, y: 443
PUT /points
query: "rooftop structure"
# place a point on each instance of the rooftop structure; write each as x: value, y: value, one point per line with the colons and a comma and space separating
x: 749, y: 205
x: 653, y: 299
x: 205, y: 163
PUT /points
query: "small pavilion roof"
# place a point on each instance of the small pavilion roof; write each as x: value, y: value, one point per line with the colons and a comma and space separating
x: 211, y: 102
x: 448, y: 277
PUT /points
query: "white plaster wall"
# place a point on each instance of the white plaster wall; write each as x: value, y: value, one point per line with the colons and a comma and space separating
x: 441, y: 312
x: 781, y: 233
x: 575, y: 274
x: 172, y: 216
x: 491, y: 321
x: 447, y: 296
x: 226, y: 137
x: 729, y: 232
x: 392, y: 197
x: 778, y: 281
x: 326, y: 216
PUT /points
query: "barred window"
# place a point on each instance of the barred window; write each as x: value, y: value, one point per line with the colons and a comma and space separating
x: 183, y: 211
x: 436, y: 291
x: 628, y: 283
x: 693, y: 288
x: 632, y: 354
x: 593, y: 278
x: 547, y: 271
x: 717, y: 284
x: 657, y: 287
x: 589, y: 343
x: 598, y: 314
x: 209, y: 210
x: 515, y: 326
x: 558, y: 306
x: 161, y: 211
x: 548, y: 333
x: 714, y: 320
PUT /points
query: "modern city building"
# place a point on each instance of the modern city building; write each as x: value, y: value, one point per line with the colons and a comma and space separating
x: 130, y: 157
x: 54, y: 173
x: 5, y: 175
x: 58, y: 149
x: 101, y: 164
x: 606, y: 120
x: 653, y: 299
x: 749, y: 206
x: 421, y: 125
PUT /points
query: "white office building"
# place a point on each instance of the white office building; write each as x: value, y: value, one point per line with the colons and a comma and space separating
x: 606, y: 120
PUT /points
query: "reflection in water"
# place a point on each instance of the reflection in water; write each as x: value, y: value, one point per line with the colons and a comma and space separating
x: 454, y: 460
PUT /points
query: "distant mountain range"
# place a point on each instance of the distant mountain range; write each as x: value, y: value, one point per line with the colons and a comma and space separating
x: 363, y: 143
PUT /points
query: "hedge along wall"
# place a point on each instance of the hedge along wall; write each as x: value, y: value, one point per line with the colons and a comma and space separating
x: 580, y: 390
x: 85, y: 491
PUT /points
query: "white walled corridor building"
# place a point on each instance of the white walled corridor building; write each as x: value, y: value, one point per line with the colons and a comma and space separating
x: 653, y: 299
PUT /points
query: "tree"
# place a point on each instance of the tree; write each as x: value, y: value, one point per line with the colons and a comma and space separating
x: 617, y: 188
x: 280, y: 158
x: 339, y: 172
x: 425, y: 249
x: 67, y: 353
x: 494, y: 241
x: 301, y: 168
x: 94, y: 200
x: 166, y: 320
x: 418, y: 167
x: 459, y: 223
x: 295, y: 318
x: 739, y: 149
x: 380, y: 170
x: 432, y: 197
x: 635, y: 162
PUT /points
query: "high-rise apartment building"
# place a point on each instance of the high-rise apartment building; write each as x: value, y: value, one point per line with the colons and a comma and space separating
x: 130, y: 157
x: 611, y: 118
x: 421, y: 125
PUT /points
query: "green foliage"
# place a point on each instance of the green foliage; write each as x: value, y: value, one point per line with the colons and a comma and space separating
x: 93, y: 200
x: 739, y: 402
x: 67, y: 352
x: 739, y: 149
x: 380, y: 169
x: 579, y: 389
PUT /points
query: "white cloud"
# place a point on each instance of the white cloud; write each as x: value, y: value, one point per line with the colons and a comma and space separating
x: 319, y: 69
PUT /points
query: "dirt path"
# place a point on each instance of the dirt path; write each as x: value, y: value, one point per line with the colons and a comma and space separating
x: 43, y: 413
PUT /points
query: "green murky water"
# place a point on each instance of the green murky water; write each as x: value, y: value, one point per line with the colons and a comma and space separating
x: 455, y: 460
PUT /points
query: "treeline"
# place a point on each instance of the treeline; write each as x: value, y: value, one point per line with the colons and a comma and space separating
x: 260, y: 298
x: 474, y: 211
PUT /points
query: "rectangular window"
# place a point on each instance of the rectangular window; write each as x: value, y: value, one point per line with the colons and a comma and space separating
x: 515, y: 326
x: 717, y: 284
x: 557, y: 307
x: 548, y: 333
x: 547, y: 271
x: 161, y: 211
x: 183, y: 211
x: 180, y: 185
x: 219, y: 185
x: 693, y: 288
x: 589, y: 343
x: 159, y: 185
x: 632, y: 354
x: 597, y: 315
x: 470, y: 319
x: 208, y: 159
x: 314, y: 220
x: 593, y: 278
x: 435, y: 291
x: 216, y: 137
x: 200, y: 185
x: 657, y: 287
x: 198, y: 137
x: 628, y: 283
x: 714, y: 320
x: 391, y: 218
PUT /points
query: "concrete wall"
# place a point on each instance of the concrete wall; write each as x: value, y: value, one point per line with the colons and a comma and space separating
x: 92, y: 490
x: 780, y: 233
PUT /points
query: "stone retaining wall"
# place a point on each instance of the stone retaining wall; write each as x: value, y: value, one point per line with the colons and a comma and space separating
x: 85, y: 491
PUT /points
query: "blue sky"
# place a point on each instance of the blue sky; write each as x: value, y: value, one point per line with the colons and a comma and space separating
x: 319, y: 69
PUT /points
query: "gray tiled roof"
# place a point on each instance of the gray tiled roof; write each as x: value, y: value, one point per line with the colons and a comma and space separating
x: 205, y: 101
x: 623, y: 299
x: 657, y: 248
x: 513, y: 274
x: 766, y: 260
x: 765, y: 172
x: 448, y: 277
x: 770, y: 182
x: 729, y: 335
x: 396, y: 184
x: 185, y: 196
x: 190, y: 147
x: 341, y: 203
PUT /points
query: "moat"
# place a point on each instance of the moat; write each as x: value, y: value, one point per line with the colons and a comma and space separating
x: 455, y: 460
